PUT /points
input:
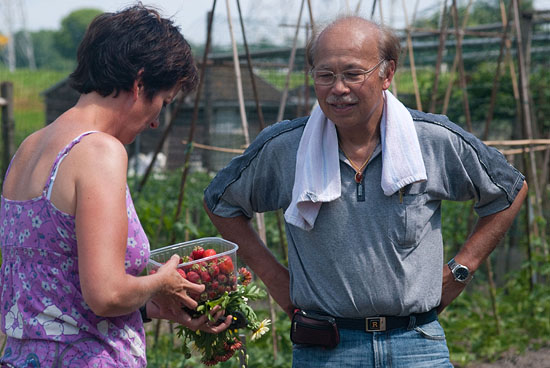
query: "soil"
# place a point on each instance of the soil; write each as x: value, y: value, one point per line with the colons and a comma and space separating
x: 529, y: 359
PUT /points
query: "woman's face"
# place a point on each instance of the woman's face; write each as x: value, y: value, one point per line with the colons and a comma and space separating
x: 147, y: 110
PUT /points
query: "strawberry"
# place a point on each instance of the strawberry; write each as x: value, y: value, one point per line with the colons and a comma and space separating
x: 226, y: 265
x: 212, y: 295
x: 205, y: 276
x: 214, y: 270
x: 182, y: 273
x: 215, y: 285
x: 209, y: 252
x: 193, y: 277
x: 198, y: 252
x: 222, y: 279
x: 186, y: 259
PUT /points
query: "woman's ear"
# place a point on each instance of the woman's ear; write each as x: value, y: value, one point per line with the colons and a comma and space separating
x: 138, y: 87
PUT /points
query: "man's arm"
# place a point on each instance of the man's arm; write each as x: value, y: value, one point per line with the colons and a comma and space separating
x: 487, y: 233
x: 257, y: 256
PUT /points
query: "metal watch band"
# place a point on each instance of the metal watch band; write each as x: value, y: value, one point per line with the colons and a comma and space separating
x: 453, y: 266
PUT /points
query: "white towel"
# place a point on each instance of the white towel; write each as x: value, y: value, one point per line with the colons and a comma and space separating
x: 317, y: 177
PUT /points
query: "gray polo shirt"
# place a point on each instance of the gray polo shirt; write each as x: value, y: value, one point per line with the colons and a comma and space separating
x: 381, y: 256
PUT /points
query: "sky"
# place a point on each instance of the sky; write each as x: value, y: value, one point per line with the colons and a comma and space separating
x: 264, y: 19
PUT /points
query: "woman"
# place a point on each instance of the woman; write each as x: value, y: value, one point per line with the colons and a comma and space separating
x: 72, y: 244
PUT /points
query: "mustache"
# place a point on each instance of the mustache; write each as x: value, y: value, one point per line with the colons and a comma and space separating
x: 341, y: 99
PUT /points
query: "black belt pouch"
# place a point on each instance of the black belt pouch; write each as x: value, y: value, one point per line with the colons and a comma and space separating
x: 309, y: 328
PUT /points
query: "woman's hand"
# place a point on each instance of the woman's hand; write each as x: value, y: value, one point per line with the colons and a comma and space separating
x: 176, y: 287
x: 162, y: 307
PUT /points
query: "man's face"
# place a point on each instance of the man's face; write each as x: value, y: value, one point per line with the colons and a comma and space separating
x: 341, y: 48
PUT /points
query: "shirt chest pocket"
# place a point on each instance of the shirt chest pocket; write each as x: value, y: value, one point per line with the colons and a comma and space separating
x: 410, y: 218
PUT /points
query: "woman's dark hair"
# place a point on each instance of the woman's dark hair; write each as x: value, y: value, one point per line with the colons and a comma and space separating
x: 117, y: 46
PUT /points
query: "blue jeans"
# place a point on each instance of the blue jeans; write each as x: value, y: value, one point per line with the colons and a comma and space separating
x: 421, y: 347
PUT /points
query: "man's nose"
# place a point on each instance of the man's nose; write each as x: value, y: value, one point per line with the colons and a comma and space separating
x: 154, y: 124
x: 340, y: 86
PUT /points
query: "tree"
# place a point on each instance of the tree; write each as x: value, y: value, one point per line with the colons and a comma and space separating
x: 73, y: 27
x: 46, y: 54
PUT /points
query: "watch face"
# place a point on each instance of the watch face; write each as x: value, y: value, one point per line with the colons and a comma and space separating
x: 461, y: 273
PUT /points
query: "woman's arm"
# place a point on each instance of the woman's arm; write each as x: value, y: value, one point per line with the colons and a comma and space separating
x: 102, y: 230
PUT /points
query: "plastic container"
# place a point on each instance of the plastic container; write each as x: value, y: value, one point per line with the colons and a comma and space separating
x: 218, y: 272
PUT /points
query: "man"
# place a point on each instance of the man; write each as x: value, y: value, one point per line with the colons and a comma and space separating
x: 361, y: 182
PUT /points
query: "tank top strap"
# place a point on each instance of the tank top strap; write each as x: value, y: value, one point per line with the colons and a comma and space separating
x: 60, y: 156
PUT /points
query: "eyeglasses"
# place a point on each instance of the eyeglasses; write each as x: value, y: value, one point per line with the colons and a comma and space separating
x: 351, y: 76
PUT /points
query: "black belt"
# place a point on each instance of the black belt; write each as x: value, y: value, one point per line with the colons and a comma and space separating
x: 383, y: 323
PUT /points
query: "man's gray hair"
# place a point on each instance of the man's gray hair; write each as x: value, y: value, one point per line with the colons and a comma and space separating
x: 389, y: 46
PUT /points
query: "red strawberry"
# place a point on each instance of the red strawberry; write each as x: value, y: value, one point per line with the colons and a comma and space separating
x: 214, y: 270
x: 198, y: 252
x: 214, y: 285
x: 182, y: 273
x: 212, y: 295
x: 222, y: 278
x: 186, y: 259
x: 209, y: 252
x: 193, y: 277
x: 226, y: 265
x: 205, y: 276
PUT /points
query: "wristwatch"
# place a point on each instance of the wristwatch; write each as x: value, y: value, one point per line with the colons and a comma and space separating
x: 460, y: 272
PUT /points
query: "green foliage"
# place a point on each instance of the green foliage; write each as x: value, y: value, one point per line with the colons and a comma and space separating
x: 157, y: 204
x: 481, y: 12
x: 524, y: 315
x: 214, y: 348
x: 46, y: 55
x: 73, y: 27
x: 470, y: 326
x: 278, y: 78
x: 29, y: 109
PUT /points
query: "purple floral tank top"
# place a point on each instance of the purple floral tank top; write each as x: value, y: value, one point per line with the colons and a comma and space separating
x: 44, y: 315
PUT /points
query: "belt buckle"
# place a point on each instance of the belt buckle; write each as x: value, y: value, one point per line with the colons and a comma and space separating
x: 373, y: 324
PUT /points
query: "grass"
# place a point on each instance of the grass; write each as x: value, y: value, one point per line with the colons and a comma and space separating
x: 29, y: 108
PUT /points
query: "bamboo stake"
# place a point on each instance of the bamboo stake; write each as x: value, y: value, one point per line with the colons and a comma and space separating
x: 394, y: 79
x: 532, y: 271
x: 194, y: 119
x: 358, y: 6
x: 307, y: 110
x: 465, y: 32
x: 415, y: 12
x: 260, y: 223
x: 518, y: 142
x: 313, y: 29
x: 282, y: 105
x: 440, y: 49
x: 544, y: 174
x: 461, y: 71
x: 251, y: 72
x: 493, y: 294
x: 455, y: 65
x: 238, y: 78
x: 372, y: 10
x: 496, y: 80
x: 526, y: 113
x: 411, y: 59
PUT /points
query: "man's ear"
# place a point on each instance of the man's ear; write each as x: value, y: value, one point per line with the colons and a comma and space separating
x: 390, y: 72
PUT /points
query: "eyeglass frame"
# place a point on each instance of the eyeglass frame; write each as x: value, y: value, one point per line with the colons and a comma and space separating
x: 335, y: 75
